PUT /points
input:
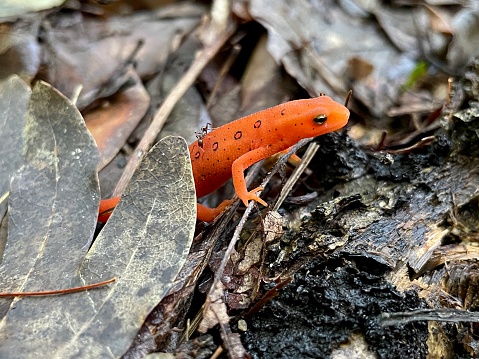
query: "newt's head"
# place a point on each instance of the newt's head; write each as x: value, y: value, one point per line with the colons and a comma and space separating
x: 313, y: 117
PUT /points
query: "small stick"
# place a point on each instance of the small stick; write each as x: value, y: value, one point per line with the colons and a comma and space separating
x: 223, y: 71
x: 202, y: 59
x: 308, y: 156
x: 269, y: 295
x: 348, y: 98
x: 4, y: 196
x: 56, y: 292
x: 231, y: 246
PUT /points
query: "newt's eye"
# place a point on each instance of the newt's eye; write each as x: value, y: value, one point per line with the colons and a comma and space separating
x: 320, y: 119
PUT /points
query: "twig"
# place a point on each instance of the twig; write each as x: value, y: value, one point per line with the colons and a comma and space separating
x: 298, y: 171
x: 223, y: 71
x: 239, y: 227
x: 421, y: 143
x: 269, y: 295
x: 76, y: 93
x: 58, y: 291
x: 4, y: 196
x: 201, y: 60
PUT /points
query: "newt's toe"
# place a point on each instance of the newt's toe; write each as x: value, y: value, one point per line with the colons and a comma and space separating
x: 251, y: 195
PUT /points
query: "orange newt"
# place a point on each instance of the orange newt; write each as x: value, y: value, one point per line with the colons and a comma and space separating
x: 228, y: 150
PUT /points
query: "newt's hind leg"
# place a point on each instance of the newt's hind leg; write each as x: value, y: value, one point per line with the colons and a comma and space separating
x: 106, y: 208
x: 204, y: 213
x: 207, y: 214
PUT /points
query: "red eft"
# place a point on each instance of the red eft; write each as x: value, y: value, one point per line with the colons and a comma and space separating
x: 229, y: 150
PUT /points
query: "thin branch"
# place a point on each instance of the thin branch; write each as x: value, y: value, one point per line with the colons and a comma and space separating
x: 201, y: 60
x: 220, y: 271
x: 58, y: 291
x: 298, y: 171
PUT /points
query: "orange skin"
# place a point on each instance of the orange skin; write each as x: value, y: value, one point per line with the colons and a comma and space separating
x: 228, y: 150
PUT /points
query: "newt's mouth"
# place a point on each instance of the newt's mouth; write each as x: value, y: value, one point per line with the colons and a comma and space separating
x: 340, y: 119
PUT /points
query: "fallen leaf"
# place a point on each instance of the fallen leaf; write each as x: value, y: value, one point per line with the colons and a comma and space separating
x: 262, y: 84
x: 20, y: 7
x: 14, y: 99
x: 215, y: 311
x: 315, y: 44
x: 19, y: 49
x: 144, y: 244
x: 51, y: 219
x: 112, y: 123
x: 189, y: 113
x: 466, y: 32
x: 92, y: 52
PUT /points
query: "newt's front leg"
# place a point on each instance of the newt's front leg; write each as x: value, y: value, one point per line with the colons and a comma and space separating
x: 239, y: 165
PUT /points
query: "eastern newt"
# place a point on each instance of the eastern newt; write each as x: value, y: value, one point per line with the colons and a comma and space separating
x: 228, y: 150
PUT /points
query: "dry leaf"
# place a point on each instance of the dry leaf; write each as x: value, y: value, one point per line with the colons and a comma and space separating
x: 144, y: 244
x: 20, y: 7
x: 112, y: 123
x: 215, y: 311
x: 91, y: 52
x: 52, y: 215
x: 14, y: 98
x: 19, y: 49
x: 315, y: 45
